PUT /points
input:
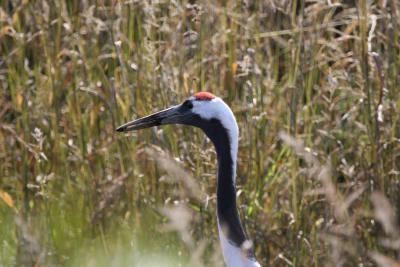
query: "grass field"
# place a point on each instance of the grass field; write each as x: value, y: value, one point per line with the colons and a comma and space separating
x: 314, y: 86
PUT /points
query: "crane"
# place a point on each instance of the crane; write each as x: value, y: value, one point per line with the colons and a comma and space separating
x: 211, y: 114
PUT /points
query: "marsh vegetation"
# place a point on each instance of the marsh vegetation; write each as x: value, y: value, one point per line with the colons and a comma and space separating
x: 314, y: 86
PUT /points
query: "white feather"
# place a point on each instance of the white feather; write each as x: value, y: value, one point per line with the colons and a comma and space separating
x: 233, y: 255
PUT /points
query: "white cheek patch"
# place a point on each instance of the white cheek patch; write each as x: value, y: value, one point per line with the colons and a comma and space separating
x: 217, y: 109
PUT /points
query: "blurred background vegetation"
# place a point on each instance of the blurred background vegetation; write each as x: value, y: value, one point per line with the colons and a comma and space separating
x: 315, y: 88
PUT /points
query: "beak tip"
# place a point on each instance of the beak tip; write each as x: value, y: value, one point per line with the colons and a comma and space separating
x: 120, y: 129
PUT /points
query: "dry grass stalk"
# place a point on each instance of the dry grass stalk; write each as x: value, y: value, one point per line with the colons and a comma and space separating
x: 74, y: 69
x: 176, y: 173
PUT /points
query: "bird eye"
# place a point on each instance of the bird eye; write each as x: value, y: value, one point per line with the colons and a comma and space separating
x: 188, y: 104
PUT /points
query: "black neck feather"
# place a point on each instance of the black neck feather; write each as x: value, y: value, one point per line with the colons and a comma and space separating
x: 228, y: 216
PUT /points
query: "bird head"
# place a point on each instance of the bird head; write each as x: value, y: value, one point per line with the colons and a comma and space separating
x: 203, y: 110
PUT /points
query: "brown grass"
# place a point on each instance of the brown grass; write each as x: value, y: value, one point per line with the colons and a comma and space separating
x: 315, y: 89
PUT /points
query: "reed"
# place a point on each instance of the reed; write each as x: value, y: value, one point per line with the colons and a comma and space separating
x: 315, y: 89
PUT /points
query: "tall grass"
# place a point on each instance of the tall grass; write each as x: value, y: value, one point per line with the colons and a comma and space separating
x: 315, y: 89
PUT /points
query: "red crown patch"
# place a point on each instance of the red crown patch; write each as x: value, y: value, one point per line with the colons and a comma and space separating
x: 207, y: 96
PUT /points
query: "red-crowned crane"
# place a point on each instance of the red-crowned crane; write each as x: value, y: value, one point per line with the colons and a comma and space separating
x: 215, y: 118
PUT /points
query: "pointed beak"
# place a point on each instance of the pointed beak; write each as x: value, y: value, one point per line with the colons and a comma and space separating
x: 166, y: 116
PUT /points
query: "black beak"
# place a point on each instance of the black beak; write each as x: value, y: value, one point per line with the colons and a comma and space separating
x: 166, y: 116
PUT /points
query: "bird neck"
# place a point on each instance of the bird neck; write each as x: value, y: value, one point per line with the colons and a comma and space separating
x: 228, y: 217
x: 231, y: 232
x: 226, y: 145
